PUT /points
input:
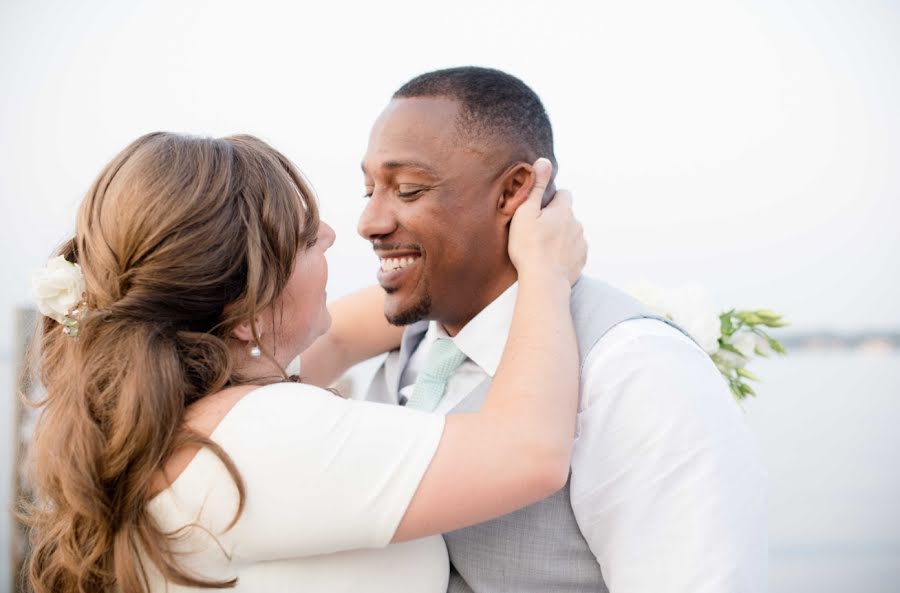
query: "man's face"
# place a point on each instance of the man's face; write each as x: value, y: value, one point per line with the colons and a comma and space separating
x: 432, y: 215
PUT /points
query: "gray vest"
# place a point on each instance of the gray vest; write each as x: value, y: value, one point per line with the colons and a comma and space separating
x: 539, y: 548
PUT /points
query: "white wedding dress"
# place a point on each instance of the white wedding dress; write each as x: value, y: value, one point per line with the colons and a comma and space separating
x: 326, y: 480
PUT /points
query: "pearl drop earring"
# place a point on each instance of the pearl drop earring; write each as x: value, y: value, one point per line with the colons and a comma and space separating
x: 255, y: 351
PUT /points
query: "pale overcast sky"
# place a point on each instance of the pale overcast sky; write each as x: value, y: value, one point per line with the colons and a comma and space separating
x: 749, y: 147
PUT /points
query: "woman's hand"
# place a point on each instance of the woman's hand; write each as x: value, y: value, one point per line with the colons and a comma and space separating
x: 548, y: 240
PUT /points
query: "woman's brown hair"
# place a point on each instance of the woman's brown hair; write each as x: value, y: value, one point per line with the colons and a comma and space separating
x: 180, y: 239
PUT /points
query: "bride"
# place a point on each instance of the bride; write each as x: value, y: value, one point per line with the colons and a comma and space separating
x: 175, y: 453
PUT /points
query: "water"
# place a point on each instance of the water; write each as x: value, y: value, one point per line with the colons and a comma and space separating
x: 827, y: 425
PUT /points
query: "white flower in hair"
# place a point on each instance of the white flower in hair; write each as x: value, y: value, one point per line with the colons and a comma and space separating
x: 58, y: 288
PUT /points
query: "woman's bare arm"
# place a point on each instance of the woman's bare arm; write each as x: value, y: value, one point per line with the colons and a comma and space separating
x: 359, y: 331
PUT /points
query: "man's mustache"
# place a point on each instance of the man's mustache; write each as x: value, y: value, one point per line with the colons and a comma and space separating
x: 378, y: 246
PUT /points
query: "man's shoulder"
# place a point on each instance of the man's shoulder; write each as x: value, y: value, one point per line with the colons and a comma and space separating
x: 615, y: 328
x: 599, y: 310
x: 644, y: 350
x: 592, y: 298
x: 647, y: 335
x: 589, y: 286
x: 652, y: 376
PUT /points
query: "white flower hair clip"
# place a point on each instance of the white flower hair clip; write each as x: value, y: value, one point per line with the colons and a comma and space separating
x: 58, y: 289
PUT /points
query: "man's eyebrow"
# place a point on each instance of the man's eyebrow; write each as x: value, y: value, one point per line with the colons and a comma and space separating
x: 405, y: 164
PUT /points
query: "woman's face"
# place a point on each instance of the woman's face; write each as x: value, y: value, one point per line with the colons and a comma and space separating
x: 301, y: 314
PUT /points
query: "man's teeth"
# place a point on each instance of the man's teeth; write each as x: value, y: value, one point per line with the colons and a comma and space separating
x: 389, y: 264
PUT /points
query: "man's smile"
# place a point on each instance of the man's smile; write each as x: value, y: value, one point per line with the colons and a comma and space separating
x: 395, y: 267
x: 389, y: 264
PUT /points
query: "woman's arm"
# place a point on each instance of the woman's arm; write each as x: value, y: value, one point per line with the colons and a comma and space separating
x: 358, y: 332
x: 516, y: 449
x: 324, y: 474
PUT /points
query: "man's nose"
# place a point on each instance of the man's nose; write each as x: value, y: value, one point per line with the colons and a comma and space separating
x: 377, y: 219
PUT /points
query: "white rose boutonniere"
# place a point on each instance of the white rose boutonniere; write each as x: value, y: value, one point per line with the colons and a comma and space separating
x: 743, y: 337
x: 731, y: 338
x: 58, y: 288
x: 689, y: 307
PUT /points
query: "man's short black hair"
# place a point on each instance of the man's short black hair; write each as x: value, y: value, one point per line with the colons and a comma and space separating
x: 494, y: 106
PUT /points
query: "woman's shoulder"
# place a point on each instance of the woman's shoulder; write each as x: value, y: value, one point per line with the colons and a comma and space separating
x: 229, y: 410
x: 209, y: 414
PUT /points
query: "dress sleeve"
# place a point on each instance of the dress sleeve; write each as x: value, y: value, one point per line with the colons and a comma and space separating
x: 321, y: 474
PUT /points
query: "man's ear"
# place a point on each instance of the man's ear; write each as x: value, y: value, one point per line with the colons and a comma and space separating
x: 515, y: 185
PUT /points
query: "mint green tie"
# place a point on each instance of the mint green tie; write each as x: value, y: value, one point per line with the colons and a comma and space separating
x: 442, y: 361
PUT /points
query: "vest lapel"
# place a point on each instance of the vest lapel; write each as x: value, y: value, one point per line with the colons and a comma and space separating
x: 412, y: 337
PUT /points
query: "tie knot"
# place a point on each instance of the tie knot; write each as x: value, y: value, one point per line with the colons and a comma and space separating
x: 443, y: 359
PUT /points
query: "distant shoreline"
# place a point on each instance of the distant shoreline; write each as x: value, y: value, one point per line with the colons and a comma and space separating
x: 821, y: 341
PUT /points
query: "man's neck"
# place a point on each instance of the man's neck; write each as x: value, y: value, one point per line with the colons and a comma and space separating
x: 483, y: 298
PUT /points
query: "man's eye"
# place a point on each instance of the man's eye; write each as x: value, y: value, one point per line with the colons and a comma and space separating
x: 410, y: 191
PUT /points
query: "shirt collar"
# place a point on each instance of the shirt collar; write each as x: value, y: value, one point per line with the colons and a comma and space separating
x: 482, y: 339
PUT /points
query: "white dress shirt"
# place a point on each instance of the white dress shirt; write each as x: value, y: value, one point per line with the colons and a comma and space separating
x: 667, y: 483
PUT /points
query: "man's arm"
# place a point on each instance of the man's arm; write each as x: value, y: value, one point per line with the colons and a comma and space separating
x: 667, y: 485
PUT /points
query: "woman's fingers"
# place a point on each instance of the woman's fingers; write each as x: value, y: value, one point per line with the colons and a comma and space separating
x: 550, y: 238
x: 543, y: 170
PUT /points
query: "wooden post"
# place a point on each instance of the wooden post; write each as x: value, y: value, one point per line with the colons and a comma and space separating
x: 26, y: 320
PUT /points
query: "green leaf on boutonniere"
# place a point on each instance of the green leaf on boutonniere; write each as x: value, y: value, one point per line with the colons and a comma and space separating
x: 727, y: 326
x: 776, y: 346
x: 749, y: 317
x: 746, y: 374
x: 726, y: 346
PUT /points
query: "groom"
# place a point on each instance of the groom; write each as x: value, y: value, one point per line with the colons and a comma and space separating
x: 666, y: 491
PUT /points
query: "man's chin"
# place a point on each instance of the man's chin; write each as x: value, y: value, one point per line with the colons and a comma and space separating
x: 406, y: 313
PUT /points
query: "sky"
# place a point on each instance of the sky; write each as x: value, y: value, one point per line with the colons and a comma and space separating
x: 749, y: 148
